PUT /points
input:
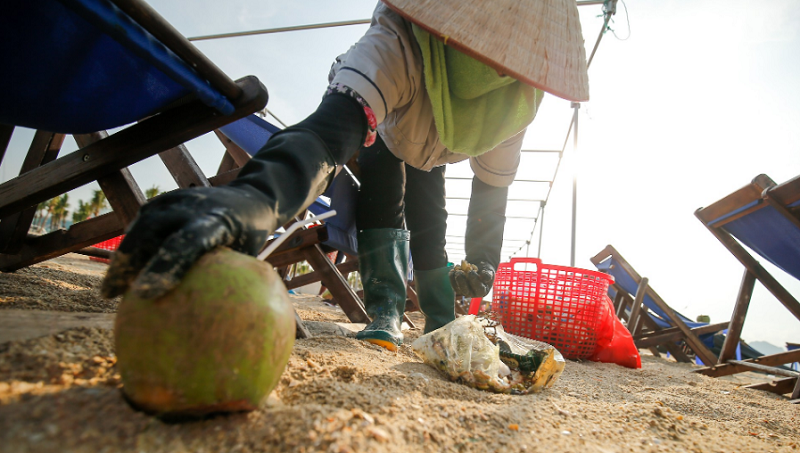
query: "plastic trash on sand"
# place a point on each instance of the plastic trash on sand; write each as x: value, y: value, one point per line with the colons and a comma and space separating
x: 478, y: 353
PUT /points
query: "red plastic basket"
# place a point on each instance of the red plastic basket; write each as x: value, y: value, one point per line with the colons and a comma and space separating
x: 110, y: 244
x: 559, y: 305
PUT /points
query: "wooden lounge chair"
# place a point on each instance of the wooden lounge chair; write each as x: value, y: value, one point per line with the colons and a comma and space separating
x: 764, y: 218
x: 651, y: 321
x: 82, y: 67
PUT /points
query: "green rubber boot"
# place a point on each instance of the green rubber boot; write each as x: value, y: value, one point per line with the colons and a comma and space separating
x: 436, y: 297
x: 383, y: 264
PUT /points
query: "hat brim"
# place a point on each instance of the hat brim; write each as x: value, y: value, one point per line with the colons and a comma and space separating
x: 538, y: 42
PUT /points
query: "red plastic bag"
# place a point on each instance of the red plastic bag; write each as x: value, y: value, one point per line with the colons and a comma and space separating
x: 614, y: 342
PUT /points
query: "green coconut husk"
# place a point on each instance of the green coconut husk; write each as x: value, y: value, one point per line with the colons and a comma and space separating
x: 219, y: 342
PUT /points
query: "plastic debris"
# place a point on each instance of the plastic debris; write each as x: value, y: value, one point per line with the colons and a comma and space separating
x: 478, y: 353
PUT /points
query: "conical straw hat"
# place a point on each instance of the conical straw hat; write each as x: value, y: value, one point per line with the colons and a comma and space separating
x: 538, y: 42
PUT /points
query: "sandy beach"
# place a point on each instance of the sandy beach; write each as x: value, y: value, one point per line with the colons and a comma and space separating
x: 60, y: 392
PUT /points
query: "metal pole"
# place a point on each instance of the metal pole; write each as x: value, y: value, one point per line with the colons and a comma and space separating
x: 281, y: 29
x: 575, y: 106
x: 541, y: 228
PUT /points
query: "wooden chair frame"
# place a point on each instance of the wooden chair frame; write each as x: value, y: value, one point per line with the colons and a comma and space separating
x: 104, y: 158
x: 762, y: 192
x: 646, y: 333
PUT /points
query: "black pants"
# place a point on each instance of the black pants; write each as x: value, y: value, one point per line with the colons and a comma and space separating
x: 395, y: 195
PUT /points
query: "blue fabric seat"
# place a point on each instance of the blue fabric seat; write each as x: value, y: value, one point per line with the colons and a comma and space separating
x: 80, y: 66
x: 251, y: 134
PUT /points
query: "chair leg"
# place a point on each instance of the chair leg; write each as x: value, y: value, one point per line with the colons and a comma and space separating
x: 301, y: 331
x: 336, y: 284
x: 44, y: 148
x: 619, y: 303
x: 737, y: 318
x: 119, y: 187
x: 637, y: 312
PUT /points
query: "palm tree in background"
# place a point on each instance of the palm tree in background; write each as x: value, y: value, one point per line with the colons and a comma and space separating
x: 82, y: 213
x: 42, y: 213
x: 60, y: 206
x: 97, y: 203
x: 152, y: 192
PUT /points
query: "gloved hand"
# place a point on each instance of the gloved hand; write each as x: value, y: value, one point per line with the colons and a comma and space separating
x: 483, y: 240
x: 175, y: 229
x: 475, y: 281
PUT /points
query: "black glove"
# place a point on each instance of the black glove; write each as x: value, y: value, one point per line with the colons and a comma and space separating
x: 175, y: 229
x: 473, y: 282
x: 484, y: 238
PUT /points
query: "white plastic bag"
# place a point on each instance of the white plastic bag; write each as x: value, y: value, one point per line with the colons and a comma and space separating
x: 477, y: 352
x: 463, y: 353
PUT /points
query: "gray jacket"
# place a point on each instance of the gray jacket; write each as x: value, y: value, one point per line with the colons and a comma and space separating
x: 385, y: 68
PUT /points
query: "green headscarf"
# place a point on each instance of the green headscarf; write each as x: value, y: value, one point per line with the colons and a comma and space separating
x: 474, y: 108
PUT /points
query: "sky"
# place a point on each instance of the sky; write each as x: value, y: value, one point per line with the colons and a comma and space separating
x: 690, y: 100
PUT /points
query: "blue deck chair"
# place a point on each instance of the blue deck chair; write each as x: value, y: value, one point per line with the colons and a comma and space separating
x: 252, y: 132
x: 81, y: 67
x: 763, y: 218
x: 650, y: 320
x: 249, y: 135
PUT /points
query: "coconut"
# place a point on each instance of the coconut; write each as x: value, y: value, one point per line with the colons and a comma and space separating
x: 216, y: 343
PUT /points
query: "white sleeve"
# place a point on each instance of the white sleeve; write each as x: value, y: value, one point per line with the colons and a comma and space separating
x: 498, y: 167
x: 381, y: 66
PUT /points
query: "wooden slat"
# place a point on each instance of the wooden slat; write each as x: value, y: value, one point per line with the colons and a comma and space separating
x: 300, y: 328
x: 412, y: 300
x: 286, y: 258
x: 288, y: 252
x: 44, y: 148
x: 95, y: 252
x: 59, y: 242
x: 223, y: 178
x: 408, y: 321
x: 227, y: 164
x: 124, y: 148
x: 670, y: 346
x: 780, y: 386
x: 767, y: 369
x: 119, y: 187
x: 336, y: 284
x: 302, y: 280
x: 6, y: 130
x: 785, y: 193
x: 638, y: 310
x: 123, y: 194
x: 183, y: 167
x: 742, y: 197
x: 673, y: 334
x: 239, y: 156
x: 728, y: 350
x: 697, y: 346
x: 619, y: 300
x: 627, y: 301
x: 769, y: 360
